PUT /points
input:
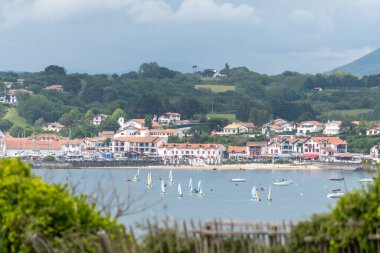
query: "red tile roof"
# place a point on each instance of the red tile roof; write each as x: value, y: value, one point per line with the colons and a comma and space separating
x: 332, y: 140
x: 142, y: 121
x: 237, y: 149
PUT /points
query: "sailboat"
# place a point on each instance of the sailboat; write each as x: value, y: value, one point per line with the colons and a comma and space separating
x: 171, y: 181
x: 163, y: 188
x: 136, y: 178
x: 255, y: 194
x: 180, y: 194
x: 149, y: 181
x: 269, y: 197
x: 191, y: 188
x: 199, y: 189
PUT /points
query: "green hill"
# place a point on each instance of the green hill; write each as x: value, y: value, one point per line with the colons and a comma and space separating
x: 368, y: 64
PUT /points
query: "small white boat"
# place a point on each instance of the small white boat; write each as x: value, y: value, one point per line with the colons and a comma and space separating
x: 255, y: 194
x: 335, y: 194
x: 269, y: 197
x: 283, y: 182
x: 238, y: 180
x: 163, y: 188
x: 180, y: 194
x: 171, y: 180
x: 366, y: 180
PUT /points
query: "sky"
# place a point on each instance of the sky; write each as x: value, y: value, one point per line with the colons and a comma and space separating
x: 117, y: 36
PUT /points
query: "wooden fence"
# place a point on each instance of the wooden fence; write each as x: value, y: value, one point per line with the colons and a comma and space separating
x: 217, y: 236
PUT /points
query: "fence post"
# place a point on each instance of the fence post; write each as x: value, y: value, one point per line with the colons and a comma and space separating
x: 104, y: 241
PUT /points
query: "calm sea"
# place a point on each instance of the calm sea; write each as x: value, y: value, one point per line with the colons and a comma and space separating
x: 221, y: 200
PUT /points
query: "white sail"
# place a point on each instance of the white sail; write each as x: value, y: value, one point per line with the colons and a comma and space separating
x: 199, y: 189
x: 149, y: 181
x: 180, y: 190
x: 171, y: 177
x: 137, y: 176
x: 255, y: 194
x: 163, y: 188
x: 269, y: 198
x: 191, y: 188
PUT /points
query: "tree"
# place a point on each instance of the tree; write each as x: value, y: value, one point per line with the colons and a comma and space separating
x: 118, y: 113
x: 56, y: 70
x: 5, y: 125
x: 109, y: 124
x: 148, y: 121
x: 31, y: 206
x: 72, y: 84
x: 71, y: 118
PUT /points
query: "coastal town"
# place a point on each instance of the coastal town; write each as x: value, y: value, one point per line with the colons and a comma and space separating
x: 281, y: 141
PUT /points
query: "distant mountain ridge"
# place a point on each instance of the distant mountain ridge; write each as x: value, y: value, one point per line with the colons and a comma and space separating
x: 366, y: 65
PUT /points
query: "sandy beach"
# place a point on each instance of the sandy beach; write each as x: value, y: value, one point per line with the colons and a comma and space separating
x: 253, y: 166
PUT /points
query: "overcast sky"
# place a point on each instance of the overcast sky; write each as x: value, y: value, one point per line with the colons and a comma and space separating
x: 117, y: 36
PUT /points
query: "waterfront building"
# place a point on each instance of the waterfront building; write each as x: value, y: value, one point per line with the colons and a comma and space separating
x: 195, y: 154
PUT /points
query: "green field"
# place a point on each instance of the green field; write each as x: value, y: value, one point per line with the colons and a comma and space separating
x: 229, y: 116
x: 12, y: 115
x: 215, y: 88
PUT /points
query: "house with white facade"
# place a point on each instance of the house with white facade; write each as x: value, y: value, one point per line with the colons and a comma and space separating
x: 97, y: 119
x: 195, y: 154
x: 375, y: 153
x: 277, y: 126
x: 237, y: 152
x: 323, y: 147
x: 169, y: 118
x: 234, y: 128
x: 178, y: 132
x: 138, y: 123
x: 257, y: 148
x: 132, y: 131
x: 53, y: 127
x: 147, y: 146
x: 44, y: 144
x: 308, y: 127
x: 332, y: 127
x: 373, y: 131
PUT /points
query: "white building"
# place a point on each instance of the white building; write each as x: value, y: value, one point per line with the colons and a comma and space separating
x: 53, y: 127
x: 375, y: 153
x: 122, y: 146
x: 373, y: 131
x: 132, y: 131
x: 40, y: 145
x: 308, y: 127
x: 169, y: 118
x: 332, y: 127
x: 97, y: 119
x: 236, y: 152
x: 196, y: 154
x: 277, y: 126
x: 138, y: 123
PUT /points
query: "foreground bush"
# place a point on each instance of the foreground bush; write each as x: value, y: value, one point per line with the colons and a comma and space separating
x: 350, y: 225
x: 30, y: 206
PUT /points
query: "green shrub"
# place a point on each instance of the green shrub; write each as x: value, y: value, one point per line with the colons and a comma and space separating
x: 350, y: 223
x: 48, y: 158
x: 30, y: 206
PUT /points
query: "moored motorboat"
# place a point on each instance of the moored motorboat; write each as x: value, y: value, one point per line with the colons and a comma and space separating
x: 337, y: 193
x: 336, y: 179
x: 238, y: 180
x: 366, y: 180
x: 283, y: 182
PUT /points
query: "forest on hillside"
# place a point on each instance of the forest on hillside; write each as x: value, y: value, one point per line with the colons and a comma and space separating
x: 153, y: 90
